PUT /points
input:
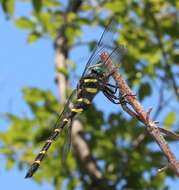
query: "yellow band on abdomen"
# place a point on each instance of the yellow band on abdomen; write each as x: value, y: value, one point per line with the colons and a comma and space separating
x: 42, y: 152
x: 85, y: 100
x: 77, y: 110
x: 90, y: 80
x: 91, y: 90
x: 57, y: 130
x: 65, y: 120
x: 37, y: 161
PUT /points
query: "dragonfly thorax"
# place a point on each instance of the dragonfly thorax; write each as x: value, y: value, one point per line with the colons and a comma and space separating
x: 100, y: 71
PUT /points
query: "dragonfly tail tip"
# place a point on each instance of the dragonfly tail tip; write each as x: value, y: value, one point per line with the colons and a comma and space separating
x: 28, y: 175
x: 32, y: 170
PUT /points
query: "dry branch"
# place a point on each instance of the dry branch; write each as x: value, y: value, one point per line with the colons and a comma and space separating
x: 139, y: 112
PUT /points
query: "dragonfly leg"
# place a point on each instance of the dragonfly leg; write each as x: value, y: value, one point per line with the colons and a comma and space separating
x: 110, y: 90
x: 115, y: 87
x: 110, y: 94
x: 124, y: 103
x: 109, y: 97
x: 111, y: 85
x: 113, y: 90
x: 123, y: 98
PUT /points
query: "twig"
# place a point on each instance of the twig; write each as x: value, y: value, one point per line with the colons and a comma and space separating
x: 141, y: 114
x: 167, y: 15
x: 171, y: 134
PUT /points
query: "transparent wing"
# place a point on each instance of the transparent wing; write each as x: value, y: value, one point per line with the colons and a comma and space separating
x: 115, y: 58
x: 105, y: 44
x: 66, y: 114
x: 67, y: 108
x: 67, y: 143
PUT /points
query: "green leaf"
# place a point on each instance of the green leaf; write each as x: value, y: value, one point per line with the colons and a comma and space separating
x: 33, y: 37
x: 51, y: 3
x: 63, y: 70
x: 45, y: 19
x: 10, y: 163
x: 114, y: 6
x: 33, y: 95
x: 83, y: 21
x: 175, y: 57
x: 24, y: 23
x: 5, y: 150
x: 170, y: 119
x: 144, y: 90
x: 37, y: 5
x: 8, y: 6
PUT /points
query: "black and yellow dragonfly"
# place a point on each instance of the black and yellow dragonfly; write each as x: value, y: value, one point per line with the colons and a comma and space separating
x: 95, y: 78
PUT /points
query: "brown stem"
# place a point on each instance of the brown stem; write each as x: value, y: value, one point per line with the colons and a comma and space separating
x: 142, y: 115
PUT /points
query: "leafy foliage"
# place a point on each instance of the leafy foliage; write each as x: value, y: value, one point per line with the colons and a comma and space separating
x: 148, y: 28
x: 8, y: 7
x: 24, y: 23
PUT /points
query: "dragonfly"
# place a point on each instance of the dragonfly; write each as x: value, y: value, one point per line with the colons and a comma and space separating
x: 95, y: 78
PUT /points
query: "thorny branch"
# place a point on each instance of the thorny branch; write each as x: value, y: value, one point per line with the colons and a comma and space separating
x: 139, y: 113
x: 138, y: 141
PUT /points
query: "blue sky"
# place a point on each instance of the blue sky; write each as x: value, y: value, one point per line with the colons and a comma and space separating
x: 21, y: 65
x: 29, y: 65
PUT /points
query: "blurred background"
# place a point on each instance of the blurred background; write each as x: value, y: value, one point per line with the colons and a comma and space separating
x: 44, y: 46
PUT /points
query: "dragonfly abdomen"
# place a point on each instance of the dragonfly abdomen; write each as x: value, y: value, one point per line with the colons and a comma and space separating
x: 35, y: 165
x: 87, y: 89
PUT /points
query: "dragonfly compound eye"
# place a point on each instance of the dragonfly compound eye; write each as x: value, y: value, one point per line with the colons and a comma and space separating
x: 99, y: 70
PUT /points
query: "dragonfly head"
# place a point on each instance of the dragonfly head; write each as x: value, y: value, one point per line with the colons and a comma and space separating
x: 100, y: 71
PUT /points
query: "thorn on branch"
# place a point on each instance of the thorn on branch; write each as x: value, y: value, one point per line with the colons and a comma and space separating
x: 171, y: 134
x: 163, y: 169
x: 148, y: 114
x: 156, y: 122
x: 168, y: 166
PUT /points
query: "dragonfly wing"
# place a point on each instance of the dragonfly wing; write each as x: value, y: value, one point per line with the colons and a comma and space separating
x: 114, y: 57
x: 65, y: 115
x: 107, y: 37
x: 67, y: 108
x: 68, y: 128
x: 105, y: 44
x: 67, y: 143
